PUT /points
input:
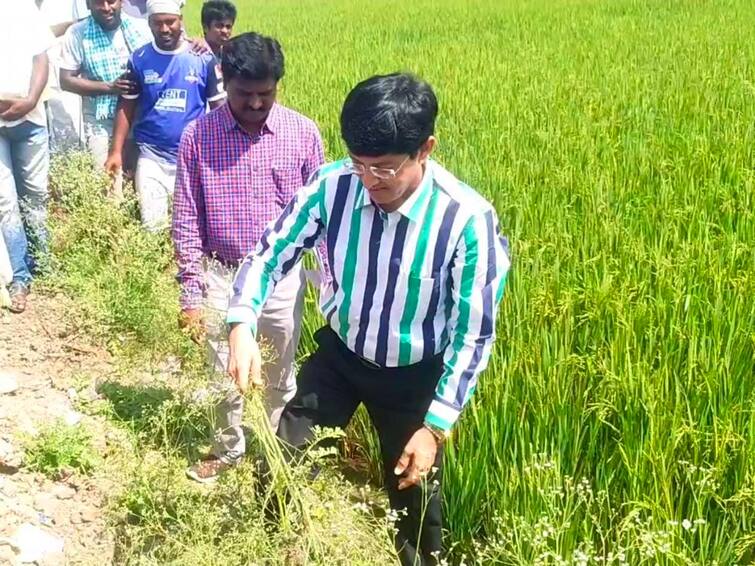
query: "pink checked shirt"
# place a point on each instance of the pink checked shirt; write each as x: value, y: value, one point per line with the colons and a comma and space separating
x: 230, y: 185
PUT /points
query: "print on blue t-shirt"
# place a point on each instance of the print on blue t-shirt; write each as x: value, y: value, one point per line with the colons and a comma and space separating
x: 173, y: 88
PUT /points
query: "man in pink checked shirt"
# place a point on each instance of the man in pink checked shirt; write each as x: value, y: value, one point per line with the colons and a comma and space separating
x: 238, y: 167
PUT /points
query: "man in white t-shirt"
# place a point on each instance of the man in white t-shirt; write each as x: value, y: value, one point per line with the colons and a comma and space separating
x: 24, y: 152
x: 95, y: 53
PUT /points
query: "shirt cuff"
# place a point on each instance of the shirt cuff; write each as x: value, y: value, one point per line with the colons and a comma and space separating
x: 242, y: 315
x: 441, y: 415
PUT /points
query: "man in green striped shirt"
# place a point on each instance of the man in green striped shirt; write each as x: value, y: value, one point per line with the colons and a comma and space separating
x: 414, y: 271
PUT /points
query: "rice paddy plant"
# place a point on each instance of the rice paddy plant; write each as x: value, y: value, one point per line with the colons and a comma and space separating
x: 615, y: 139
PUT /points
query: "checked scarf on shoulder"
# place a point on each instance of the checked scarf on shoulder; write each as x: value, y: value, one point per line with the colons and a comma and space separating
x: 101, y: 61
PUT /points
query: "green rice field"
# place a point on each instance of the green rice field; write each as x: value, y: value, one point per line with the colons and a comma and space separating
x: 615, y: 422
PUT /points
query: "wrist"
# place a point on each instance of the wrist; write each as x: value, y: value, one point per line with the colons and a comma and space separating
x: 439, y: 434
x: 234, y: 325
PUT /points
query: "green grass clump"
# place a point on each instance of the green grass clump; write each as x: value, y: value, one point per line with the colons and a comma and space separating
x: 169, y: 519
x: 122, y: 277
x: 59, y: 448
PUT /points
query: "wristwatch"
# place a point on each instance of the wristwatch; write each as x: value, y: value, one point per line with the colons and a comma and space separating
x: 440, y: 435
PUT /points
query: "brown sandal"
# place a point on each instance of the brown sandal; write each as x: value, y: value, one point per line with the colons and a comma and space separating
x: 18, y: 294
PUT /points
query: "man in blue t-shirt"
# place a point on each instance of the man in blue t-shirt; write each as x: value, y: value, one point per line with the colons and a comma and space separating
x: 173, y: 87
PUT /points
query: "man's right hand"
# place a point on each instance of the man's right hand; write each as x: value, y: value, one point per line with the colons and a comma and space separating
x: 191, y: 321
x: 113, y: 163
x: 245, y: 360
x: 122, y: 86
x: 12, y: 109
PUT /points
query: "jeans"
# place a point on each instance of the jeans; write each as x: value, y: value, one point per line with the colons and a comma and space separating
x: 24, y: 166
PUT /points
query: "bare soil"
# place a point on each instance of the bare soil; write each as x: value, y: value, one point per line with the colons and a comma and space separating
x: 47, y: 357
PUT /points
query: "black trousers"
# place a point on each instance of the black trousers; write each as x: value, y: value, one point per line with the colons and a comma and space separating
x: 332, y: 383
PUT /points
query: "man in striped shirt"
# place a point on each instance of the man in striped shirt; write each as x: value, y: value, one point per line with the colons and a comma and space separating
x: 416, y: 271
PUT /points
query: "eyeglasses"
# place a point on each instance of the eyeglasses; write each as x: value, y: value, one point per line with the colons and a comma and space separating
x: 377, y: 172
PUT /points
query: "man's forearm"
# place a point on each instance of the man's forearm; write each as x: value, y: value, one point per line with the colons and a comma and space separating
x: 188, y: 231
x: 124, y: 116
x: 39, y: 73
x: 82, y: 86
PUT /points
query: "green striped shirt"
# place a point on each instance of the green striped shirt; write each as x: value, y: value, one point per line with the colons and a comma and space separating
x: 400, y: 287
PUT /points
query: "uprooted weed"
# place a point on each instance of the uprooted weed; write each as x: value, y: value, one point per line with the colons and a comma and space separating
x: 270, y: 512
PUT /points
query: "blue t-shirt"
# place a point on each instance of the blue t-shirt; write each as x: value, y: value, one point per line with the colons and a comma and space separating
x: 172, y: 90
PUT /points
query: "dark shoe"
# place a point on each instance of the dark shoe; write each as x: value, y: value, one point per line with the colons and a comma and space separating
x: 18, y: 294
x: 208, y: 470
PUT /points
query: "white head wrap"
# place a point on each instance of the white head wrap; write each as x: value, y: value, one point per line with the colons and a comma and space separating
x: 164, y: 7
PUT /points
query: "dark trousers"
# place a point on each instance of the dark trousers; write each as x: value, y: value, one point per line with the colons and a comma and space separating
x: 332, y: 384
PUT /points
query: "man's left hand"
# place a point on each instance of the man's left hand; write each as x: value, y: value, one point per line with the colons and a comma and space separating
x: 13, y: 109
x: 417, y: 459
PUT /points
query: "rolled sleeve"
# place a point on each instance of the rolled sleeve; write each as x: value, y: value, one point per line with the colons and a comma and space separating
x: 72, y: 57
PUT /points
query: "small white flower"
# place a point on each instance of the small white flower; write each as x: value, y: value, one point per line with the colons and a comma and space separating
x: 687, y: 524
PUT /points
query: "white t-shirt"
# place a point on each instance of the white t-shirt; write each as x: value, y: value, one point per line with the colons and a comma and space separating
x: 73, y: 51
x: 22, y: 36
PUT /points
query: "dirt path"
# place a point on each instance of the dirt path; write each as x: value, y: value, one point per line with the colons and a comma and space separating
x: 44, y: 358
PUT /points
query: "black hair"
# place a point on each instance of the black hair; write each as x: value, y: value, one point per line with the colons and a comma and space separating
x: 388, y: 114
x: 217, y: 10
x: 253, y: 57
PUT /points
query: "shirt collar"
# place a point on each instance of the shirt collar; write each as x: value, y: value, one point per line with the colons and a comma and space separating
x: 180, y: 48
x: 271, y: 125
x: 414, y: 207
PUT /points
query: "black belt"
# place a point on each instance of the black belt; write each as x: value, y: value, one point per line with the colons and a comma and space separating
x: 368, y: 363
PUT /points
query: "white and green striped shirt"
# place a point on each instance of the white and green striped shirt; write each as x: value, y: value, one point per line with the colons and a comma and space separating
x: 402, y: 286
